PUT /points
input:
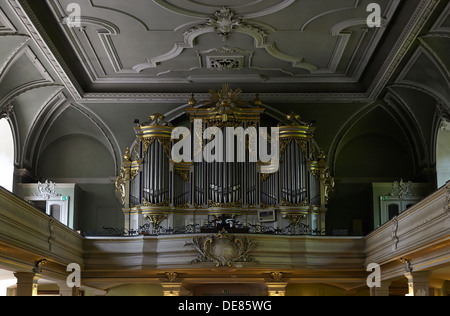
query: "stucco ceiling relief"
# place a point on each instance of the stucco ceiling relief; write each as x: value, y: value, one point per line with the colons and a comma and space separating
x: 224, y: 22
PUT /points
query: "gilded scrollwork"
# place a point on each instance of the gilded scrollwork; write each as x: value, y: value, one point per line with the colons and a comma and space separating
x: 133, y: 174
x: 165, y: 143
x: 148, y: 204
x: 265, y: 205
x: 286, y: 203
x: 294, y: 218
x: 223, y: 249
x: 301, y: 142
x: 127, y: 155
x: 276, y: 277
x: 119, y: 184
x: 329, y: 184
x: 183, y: 206
x: 171, y: 277
x: 156, y: 219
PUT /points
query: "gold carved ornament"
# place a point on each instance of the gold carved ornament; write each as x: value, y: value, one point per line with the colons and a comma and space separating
x: 146, y: 203
x: 165, y: 143
x: 118, y: 184
x: 225, y: 108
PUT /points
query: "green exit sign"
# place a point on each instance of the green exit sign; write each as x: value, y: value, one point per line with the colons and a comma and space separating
x: 64, y: 198
x: 384, y: 198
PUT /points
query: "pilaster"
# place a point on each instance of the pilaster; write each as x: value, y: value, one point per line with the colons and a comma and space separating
x: 276, y: 288
x: 418, y: 283
x: 27, y: 283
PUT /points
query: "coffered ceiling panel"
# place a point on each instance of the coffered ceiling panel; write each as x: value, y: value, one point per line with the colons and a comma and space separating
x: 159, y: 45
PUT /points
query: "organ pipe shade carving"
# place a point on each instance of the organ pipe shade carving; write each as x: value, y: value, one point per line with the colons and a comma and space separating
x: 151, y: 181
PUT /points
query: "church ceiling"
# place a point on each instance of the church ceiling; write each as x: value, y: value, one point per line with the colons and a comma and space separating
x: 300, y: 49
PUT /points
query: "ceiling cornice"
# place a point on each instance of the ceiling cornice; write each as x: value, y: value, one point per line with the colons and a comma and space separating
x: 184, y: 97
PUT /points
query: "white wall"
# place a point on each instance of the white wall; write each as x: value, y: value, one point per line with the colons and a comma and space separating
x: 443, y: 155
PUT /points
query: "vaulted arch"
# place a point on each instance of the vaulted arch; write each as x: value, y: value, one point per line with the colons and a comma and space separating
x: 374, y: 140
x: 76, y: 156
x: 71, y: 119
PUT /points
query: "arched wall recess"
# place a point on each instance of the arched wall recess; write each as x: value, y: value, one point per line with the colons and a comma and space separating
x: 333, y: 151
x: 76, y: 156
x: 436, y: 89
x: 113, y: 144
x: 370, y: 118
x: 23, y: 75
x: 30, y: 106
x: 423, y: 72
x: 412, y: 130
x: 433, y: 52
x: 40, y: 127
x: 107, y: 136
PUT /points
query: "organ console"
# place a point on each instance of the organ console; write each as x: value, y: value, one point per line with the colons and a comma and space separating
x: 154, y: 188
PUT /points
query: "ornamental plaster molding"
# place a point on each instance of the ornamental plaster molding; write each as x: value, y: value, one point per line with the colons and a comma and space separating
x: 271, y: 9
x: 7, y: 110
x: 224, y: 22
x: 46, y: 190
x: 394, y: 235
x: 223, y: 249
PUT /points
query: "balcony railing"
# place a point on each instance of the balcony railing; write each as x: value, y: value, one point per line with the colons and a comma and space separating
x: 148, y: 229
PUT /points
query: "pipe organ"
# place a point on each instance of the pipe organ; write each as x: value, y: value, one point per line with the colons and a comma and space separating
x: 227, y: 180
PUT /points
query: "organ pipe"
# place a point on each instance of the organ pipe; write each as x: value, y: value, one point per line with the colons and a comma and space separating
x: 150, y: 179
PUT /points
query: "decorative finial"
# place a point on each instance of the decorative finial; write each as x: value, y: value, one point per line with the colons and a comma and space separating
x: 293, y: 117
x: 257, y: 101
x: 156, y: 117
x: 38, y: 266
x: 192, y: 101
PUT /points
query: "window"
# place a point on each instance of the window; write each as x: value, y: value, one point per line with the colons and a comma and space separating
x: 6, y: 155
